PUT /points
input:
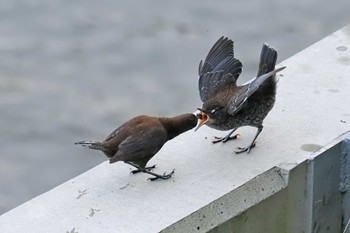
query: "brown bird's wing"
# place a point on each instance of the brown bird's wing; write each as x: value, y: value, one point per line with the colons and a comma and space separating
x: 218, y: 69
x: 114, y: 139
x: 146, y: 143
x: 114, y: 133
x: 123, y: 130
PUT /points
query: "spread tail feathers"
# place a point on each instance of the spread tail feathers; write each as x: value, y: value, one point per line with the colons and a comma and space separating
x: 268, y: 58
x: 95, y: 145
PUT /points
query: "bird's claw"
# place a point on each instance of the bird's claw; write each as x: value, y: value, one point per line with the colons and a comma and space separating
x: 224, y: 139
x: 163, y: 177
x: 151, y: 167
x: 240, y: 150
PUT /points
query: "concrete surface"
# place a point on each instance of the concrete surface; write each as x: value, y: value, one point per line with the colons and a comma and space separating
x: 311, y: 200
x: 312, y: 109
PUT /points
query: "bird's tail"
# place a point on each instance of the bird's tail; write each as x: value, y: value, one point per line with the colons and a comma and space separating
x: 95, y: 145
x: 268, y: 58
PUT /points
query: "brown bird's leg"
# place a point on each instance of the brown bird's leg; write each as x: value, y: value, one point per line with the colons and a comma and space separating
x: 248, y: 148
x: 157, y: 176
x: 148, y: 171
x: 146, y: 168
x: 138, y: 170
x: 227, y: 137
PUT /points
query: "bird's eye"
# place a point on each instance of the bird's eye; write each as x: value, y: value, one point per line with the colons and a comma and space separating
x: 215, y: 110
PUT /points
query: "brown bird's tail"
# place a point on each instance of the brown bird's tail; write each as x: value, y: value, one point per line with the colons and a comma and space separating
x: 95, y: 145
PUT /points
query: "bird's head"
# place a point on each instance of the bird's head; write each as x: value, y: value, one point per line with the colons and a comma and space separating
x: 209, y: 116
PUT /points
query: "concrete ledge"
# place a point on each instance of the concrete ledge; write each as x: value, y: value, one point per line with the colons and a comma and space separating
x: 312, y: 109
x: 232, y: 204
x: 311, y: 201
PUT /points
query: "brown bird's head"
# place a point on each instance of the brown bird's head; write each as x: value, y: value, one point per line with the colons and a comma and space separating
x: 211, y: 115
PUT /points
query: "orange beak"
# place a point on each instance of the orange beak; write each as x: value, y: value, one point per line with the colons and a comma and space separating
x: 203, y: 118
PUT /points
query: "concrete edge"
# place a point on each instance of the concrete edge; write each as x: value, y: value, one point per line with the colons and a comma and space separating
x: 235, y: 202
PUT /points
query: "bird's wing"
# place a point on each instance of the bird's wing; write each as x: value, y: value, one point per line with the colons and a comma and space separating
x: 236, y: 103
x: 221, y: 57
x: 219, y: 64
x: 211, y: 82
x: 114, y: 133
x: 143, y: 144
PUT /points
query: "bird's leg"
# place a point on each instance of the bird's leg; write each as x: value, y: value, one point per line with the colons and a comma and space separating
x: 226, y: 138
x: 157, y: 176
x: 148, y: 171
x: 138, y: 170
x: 248, y: 148
x: 146, y: 168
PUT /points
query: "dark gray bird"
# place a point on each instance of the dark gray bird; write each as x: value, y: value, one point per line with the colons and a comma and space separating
x: 138, y: 140
x: 227, y: 106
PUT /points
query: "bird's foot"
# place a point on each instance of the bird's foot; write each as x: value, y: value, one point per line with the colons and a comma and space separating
x: 163, y: 177
x: 146, y: 168
x: 247, y: 149
x: 225, y: 139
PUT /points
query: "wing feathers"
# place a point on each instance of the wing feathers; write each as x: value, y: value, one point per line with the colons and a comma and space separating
x: 236, y: 104
x: 211, y: 82
x: 218, y: 69
x: 137, y: 146
x: 222, y: 49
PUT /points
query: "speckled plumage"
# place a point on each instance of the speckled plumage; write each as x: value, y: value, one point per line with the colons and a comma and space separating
x: 228, y: 106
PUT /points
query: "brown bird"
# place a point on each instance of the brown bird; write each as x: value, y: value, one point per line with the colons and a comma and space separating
x: 227, y: 106
x: 138, y: 140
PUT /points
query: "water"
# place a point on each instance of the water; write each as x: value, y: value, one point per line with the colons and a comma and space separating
x: 73, y: 70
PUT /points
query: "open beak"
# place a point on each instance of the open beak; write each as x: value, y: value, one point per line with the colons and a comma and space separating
x: 202, y: 117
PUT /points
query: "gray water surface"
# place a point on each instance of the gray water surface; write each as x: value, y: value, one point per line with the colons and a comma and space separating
x: 73, y: 70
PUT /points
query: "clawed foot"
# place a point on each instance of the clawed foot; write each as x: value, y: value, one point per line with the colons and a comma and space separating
x: 163, y: 177
x: 146, y: 168
x: 224, y: 139
x: 244, y: 149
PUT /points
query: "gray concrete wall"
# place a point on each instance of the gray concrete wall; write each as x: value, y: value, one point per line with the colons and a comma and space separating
x: 288, y: 183
x: 311, y: 202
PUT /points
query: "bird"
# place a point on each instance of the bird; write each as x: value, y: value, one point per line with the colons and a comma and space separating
x: 139, y: 139
x: 228, y: 106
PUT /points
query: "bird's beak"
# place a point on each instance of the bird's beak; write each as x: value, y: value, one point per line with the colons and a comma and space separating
x: 202, y: 117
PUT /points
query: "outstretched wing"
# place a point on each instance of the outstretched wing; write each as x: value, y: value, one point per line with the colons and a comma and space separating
x: 246, y: 91
x: 221, y: 57
x: 211, y: 82
x: 219, y: 63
